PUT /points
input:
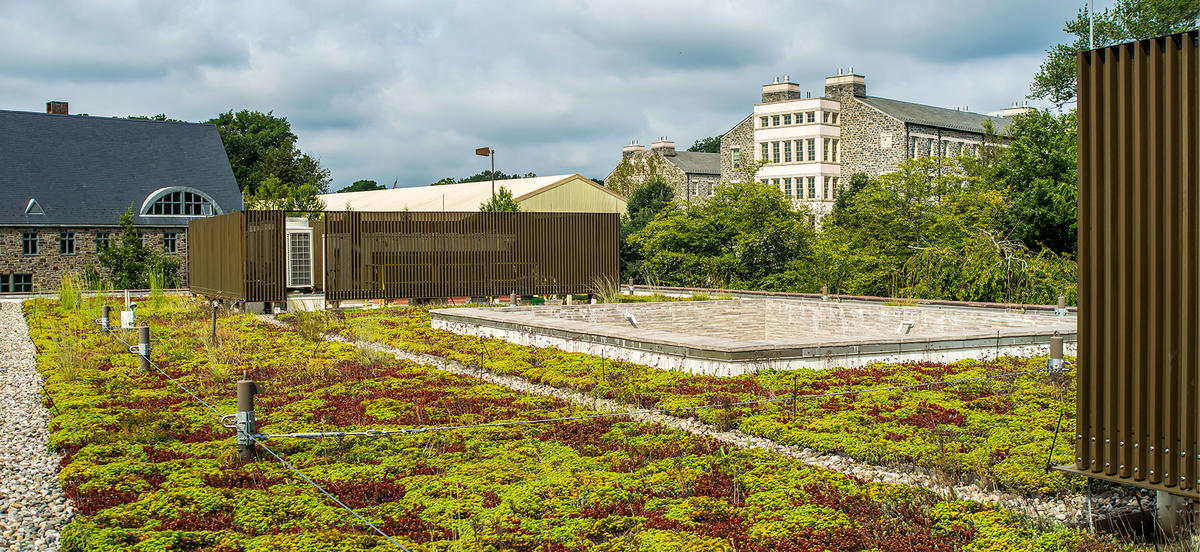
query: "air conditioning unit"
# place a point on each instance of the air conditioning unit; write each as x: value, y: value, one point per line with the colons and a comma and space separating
x: 299, y: 257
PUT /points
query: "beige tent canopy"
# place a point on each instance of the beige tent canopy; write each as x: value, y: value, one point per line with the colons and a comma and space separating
x: 564, y: 193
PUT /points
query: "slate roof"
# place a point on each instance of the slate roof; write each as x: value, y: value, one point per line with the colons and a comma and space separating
x: 86, y: 171
x: 694, y: 162
x: 939, y: 117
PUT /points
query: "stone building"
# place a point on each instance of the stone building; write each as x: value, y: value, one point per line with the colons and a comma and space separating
x: 809, y: 147
x: 693, y: 175
x: 66, y: 180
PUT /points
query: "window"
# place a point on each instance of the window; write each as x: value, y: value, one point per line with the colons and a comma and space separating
x: 787, y: 151
x: 762, y: 122
x: 812, y: 116
x: 775, y: 183
x: 170, y: 242
x: 812, y: 149
x: 787, y: 187
x: 66, y: 243
x: 5, y: 283
x: 825, y: 117
x: 22, y: 283
x: 828, y: 186
x: 774, y: 152
x: 836, y: 189
x: 775, y: 120
x: 836, y: 152
x: 29, y: 243
x: 735, y: 157
x: 835, y: 117
x: 812, y: 187
x: 787, y: 118
x: 825, y: 152
x: 102, y: 241
x: 765, y: 153
x: 180, y: 203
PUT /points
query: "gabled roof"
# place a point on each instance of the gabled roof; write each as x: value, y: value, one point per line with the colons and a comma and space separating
x: 88, y: 170
x: 694, y: 162
x: 939, y: 117
x: 466, y: 196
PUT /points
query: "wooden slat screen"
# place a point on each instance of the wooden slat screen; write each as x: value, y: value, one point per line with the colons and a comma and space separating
x: 393, y: 255
x: 1139, y: 263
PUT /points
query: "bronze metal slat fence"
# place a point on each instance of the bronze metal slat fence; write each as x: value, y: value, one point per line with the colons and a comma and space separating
x: 239, y: 256
x: 1139, y: 252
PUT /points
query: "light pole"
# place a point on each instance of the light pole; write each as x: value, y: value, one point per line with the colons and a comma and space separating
x: 489, y: 152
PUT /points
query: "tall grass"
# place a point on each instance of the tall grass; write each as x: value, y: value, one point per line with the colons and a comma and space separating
x: 69, y: 352
x: 70, y: 291
x: 158, y: 280
x: 607, y: 290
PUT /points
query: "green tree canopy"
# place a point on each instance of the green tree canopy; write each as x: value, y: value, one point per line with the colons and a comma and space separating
x: 646, y: 202
x: 130, y: 263
x: 1127, y: 20
x: 361, y: 186
x: 503, y: 202
x: 482, y: 176
x: 712, y: 144
x: 261, y: 146
x: 747, y: 235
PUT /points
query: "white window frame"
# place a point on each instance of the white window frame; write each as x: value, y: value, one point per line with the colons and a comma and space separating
x: 159, y: 193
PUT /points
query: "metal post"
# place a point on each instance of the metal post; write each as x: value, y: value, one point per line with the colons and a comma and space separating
x: 1055, y: 364
x: 512, y: 299
x: 105, y: 312
x: 492, y: 154
x: 825, y: 293
x: 246, y: 425
x: 143, y: 347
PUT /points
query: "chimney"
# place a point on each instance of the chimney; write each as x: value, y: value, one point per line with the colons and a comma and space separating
x: 663, y: 147
x: 632, y: 148
x: 845, y: 84
x: 56, y: 108
x: 780, y: 91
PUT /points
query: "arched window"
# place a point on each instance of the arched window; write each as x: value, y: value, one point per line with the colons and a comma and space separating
x: 180, y: 202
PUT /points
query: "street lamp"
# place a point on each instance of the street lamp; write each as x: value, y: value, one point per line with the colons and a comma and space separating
x: 489, y: 152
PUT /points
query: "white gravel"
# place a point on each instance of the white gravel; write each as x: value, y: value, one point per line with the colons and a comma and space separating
x: 1070, y: 509
x: 33, y: 508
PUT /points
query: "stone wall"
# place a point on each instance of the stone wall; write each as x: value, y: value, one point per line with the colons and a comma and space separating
x: 872, y: 142
x: 638, y: 166
x: 741, y: 135
x: 48, y: 266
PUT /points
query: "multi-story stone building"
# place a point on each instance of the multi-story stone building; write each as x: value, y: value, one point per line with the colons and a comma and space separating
x: 693, y: 175
x: 808, y: 147
x: 66, y: 180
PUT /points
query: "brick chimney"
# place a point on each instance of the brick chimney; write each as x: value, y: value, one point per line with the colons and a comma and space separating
x: 780, y: 91
x: 845, y: 84
x: 632, y: 148
x: 663, y: 147
x: 57, y: 108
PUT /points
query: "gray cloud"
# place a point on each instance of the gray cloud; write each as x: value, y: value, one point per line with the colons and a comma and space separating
x: 407, y: 90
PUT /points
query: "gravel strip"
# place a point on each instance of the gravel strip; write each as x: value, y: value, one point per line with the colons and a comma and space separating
x: 1070, y: 509
x: 33, y: 507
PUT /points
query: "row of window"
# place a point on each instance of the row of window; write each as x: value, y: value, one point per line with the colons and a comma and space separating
x: 932, y: 147
x: 796, y: 187
x: 805, y: 150
x: 801, y: 118
x: 10, y: 283
x: 66, y: 242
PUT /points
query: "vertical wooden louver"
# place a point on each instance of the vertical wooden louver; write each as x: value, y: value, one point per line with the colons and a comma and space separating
x: 1139, y: 264
x: 408, y: 255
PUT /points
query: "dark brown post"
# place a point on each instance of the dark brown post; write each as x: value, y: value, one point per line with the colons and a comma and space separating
x: 213, y: 339
x: 246, y: 425
x: 143, y: 347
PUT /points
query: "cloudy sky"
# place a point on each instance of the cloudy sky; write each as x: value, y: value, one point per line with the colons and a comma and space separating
x: 407, y: 90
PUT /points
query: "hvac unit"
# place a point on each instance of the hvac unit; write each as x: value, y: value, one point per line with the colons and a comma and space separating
x: 299, y: 255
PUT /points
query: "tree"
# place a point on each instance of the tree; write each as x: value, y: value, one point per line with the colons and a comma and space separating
x: 502, y: 203
x: 712, y: 144
x: 747, y: 236
x: 646, y: 202
x: 261, y: 146
x: 845, y: 196
x: 361, y: 186
x: 130, y: 264
x: 482, y: 176
x: 1127, y: 20
x: 1038, y: 169
x: 272, y: 193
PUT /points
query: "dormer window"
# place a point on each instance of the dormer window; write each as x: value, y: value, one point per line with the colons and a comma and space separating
x: 180, y: 202
x: 33, y: 208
